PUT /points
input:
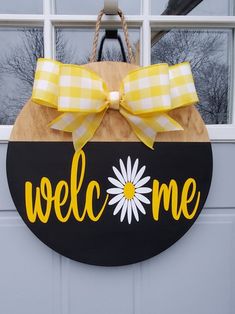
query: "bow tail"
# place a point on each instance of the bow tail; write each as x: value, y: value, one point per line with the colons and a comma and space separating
x: 82, y: 126
x: 147, y: 127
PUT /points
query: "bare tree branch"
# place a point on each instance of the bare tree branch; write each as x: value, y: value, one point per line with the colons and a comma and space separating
x: 204, y: 50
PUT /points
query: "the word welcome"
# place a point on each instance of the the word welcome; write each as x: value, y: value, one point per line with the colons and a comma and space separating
x: 42, y: 200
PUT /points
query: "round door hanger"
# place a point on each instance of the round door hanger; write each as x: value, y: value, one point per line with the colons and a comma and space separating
x: 115, y: 201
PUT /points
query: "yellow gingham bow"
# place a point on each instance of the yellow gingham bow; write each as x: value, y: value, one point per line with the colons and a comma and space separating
x: 144, y: 98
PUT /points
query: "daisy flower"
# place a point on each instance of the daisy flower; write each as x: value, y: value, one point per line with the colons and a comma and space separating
x: 128, y: 190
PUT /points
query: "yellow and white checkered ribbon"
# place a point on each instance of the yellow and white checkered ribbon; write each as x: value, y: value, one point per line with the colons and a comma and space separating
x: 144, y: 98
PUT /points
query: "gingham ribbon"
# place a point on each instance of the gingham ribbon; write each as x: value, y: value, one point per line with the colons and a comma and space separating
x: 145, y: 97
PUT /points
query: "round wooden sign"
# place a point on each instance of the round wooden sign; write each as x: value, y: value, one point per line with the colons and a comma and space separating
x: 116, y: 201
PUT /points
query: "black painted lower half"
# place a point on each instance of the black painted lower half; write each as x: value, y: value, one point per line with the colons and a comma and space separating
x: 108, y: 241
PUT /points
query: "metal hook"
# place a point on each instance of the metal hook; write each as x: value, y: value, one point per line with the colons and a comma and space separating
x: 111, y: 34
x: 111, y: 7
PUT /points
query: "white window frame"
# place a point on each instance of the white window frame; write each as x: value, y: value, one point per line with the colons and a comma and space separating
x: 145, y: 21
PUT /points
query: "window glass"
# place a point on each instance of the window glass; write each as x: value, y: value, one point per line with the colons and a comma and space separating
x: 74, y: 45
x: 21, y: 7
x: 93, y: 7
x: 20, y: 49
x: 196, y: 7
x: 209, y: 53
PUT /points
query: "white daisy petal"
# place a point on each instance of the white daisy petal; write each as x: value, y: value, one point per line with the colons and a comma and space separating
x: 139, y: 205
x: 143, y: 190
x: 126, y: 207
x: 128, y: 167
x: 142, y: 182
x: 123, y: 170
x: 115, y: 199
x: 129, y: 212
x: 118, y: 175
x: 114, y: 191
x: 135, y: 211
x: 139, y: 175
x: 142, y: 198
x: 115, y: 182
x: 134, y: 170
x: 124, y: 210
x: 119, y: 206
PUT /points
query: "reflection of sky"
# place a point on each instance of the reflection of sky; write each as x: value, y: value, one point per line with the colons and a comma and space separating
x: 223, y: 51
x: 9, y: 38
x: 79, y: 41
x: 13, y: 92
x: 94, y: 6
x: 206, y: 7
x: 21, y: 6
x: 66, y: 6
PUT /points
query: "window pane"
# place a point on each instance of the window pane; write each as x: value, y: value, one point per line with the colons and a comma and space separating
x: 22, y: 6
x: 75, y: 45
x: 20, y: 49
x: 209, y: 53
x: 182, y: 7
x: 93, y: 7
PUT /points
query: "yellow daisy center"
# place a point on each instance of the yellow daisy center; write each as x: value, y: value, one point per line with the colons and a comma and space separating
x: 129, y: 190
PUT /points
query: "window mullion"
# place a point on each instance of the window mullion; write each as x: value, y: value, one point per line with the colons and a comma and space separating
x: 163, y: 21
x: 48, y: 30
x: 232, y: 108
x: 145, y: 39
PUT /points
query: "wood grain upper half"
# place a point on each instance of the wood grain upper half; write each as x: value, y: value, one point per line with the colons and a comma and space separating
x: 32, y: 122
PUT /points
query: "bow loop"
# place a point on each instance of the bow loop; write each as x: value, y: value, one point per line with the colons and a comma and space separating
x: 144, y: 98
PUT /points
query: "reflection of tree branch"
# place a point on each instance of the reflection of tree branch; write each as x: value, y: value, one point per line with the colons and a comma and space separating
x: 21, y: 61
x: 192, y: 45
x: 204, y: 51
x: 18, y: 66
x: 64, y: 50
x: 213, y: 90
